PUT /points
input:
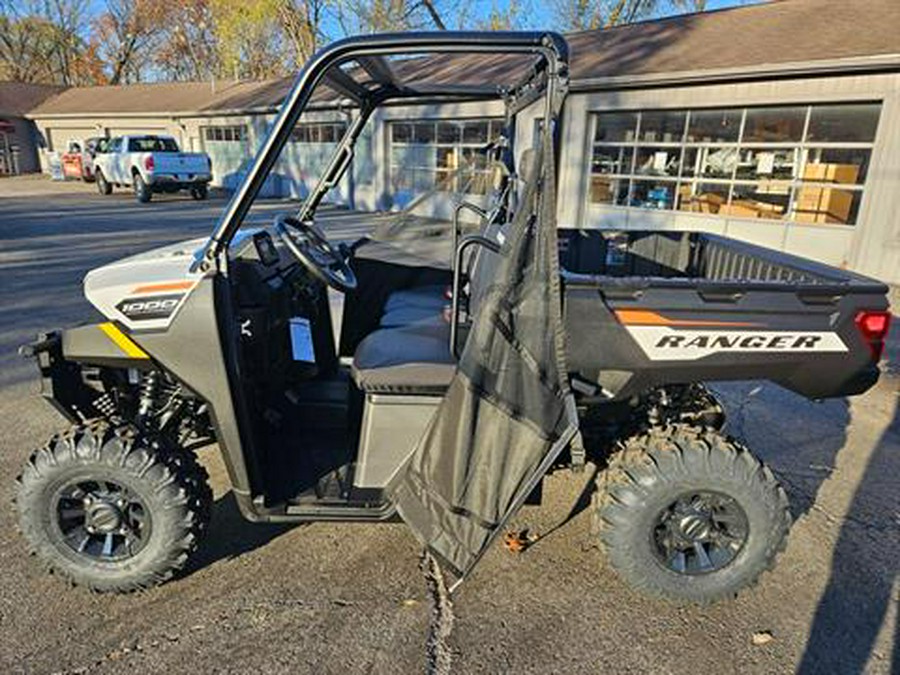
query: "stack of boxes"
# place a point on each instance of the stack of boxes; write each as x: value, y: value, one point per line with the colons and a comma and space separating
x: 826, y: 204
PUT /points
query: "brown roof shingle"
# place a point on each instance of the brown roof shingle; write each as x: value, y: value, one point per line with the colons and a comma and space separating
x: 779, y: 32
x: 17, y: 98
x: 766, y: 35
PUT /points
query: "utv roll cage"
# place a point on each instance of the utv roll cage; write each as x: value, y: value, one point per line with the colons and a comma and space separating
x: 359, y: 72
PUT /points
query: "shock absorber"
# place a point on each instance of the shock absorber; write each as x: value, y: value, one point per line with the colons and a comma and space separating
x: 147, y: 395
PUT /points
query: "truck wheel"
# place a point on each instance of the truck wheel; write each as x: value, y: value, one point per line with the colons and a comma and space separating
x: 103, y: 187
x: 689, y: 514
x: 200, y: 192
x: 112, y: 510
x: 141, y: 189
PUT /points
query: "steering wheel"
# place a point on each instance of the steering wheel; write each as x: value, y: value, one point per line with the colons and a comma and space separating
x: 313, y: 250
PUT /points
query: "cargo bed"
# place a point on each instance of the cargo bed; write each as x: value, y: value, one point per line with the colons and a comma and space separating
x: 644, y: 309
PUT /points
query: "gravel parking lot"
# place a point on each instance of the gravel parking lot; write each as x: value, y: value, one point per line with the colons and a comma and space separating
x: 350, y: 598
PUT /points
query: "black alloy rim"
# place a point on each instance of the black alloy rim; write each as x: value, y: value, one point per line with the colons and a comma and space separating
x: 101, y: 520
x: 699, y: 533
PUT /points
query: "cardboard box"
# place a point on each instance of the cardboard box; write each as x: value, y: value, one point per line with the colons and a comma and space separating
x: 708, y: 202
x: 740, y: 209
x: 817, y: 217
x: 836, y: 203
x: 601, y: 190
x: 831, y: 173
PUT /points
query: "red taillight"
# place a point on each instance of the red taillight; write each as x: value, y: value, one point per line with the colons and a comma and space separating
x: 149, y: 163
x: 874, y: 327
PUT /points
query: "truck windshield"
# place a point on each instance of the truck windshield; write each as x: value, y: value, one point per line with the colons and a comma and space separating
x: 152, y: 144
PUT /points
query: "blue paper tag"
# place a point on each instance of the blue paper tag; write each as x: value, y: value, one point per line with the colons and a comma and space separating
x: 301, y: 340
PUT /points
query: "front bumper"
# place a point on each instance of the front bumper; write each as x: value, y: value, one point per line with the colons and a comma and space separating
x: 62, y: 383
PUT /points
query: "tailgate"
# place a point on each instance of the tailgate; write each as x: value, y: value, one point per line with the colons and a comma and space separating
x: 187, y: 163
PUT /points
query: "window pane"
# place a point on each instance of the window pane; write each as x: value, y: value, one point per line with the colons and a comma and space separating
x: 653, y: 161
x: 767, y: 163
x: 611, y: 159
x: 609, y: 190
x: 650, y: 194
x: 475, y: 132
x: 616, y: 127
x: 854, y: 123
x: 836, y: 165
x: 826, y: 205
x: 702, y: 197
x: 496, y: 129
x: 402, y: 180
x: 401, y: 133
x: 444, y: 181
x: 758, y: 200
x: 423, y: 132
x: 717, y: 162
x: 446, y: 158
x: 714, y: 126
x: 473, y: 158
x: 665, y: 126
x: 475, y: 182
x: 448, y: 132
x: 327, y: 133
x: 774, y: 125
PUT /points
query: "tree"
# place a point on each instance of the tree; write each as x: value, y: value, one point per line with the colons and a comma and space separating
x: 378, y: 16
x: 594, y: 14
x: 41, y: 40
x: 187, y: 47
x: 301, y: 21
x: 124, y: 35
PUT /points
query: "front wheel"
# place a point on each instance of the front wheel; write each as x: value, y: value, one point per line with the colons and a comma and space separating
x: 112, y: 510
x: 141, y: 189
x: 103, y: 186
x: 689, y: 514
x: 200, y: 192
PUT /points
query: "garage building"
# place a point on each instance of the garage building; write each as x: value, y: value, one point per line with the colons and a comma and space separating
x: 776, y: 123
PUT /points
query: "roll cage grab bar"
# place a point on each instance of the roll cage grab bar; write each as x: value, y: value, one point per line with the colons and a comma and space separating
x: 368, y: 53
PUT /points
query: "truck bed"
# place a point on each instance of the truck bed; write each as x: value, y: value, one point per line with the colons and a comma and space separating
x: 643, y: 309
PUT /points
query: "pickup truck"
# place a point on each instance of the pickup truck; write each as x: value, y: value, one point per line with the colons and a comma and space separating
x: 149, y: 164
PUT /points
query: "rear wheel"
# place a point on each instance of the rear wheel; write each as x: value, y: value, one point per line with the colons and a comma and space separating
x: 200, y: 192
x: 141, y: 189
x: 689, y: 514
x: 112, y: 510
x: 103, y: 187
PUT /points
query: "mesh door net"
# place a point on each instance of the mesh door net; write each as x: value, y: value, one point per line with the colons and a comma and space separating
x: 508, y: 411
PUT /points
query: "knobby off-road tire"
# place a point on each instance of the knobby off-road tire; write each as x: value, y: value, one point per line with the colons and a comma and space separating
x: 674, y: 488
x: 111, y: 510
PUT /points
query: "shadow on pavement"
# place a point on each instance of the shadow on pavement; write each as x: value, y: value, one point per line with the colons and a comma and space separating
x: 230, y: 535
x: 854, y: 605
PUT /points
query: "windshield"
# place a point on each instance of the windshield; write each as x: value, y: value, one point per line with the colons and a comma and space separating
x: 152, y: 144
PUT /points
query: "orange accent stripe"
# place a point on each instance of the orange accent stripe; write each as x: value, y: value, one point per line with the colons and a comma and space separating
x: 643, y: 317
x: 165, y: 286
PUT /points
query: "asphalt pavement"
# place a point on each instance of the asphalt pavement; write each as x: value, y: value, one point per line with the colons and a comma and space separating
x: 350, y: 598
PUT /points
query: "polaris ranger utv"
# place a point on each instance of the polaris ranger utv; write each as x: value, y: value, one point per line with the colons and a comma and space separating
x: 448, y: 418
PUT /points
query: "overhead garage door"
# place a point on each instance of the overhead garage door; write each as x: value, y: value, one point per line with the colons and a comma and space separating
x: 228, y: 147
x: 61, y: 136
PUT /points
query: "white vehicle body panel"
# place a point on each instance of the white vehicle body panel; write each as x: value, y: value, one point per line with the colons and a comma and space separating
x: 145, y: 291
